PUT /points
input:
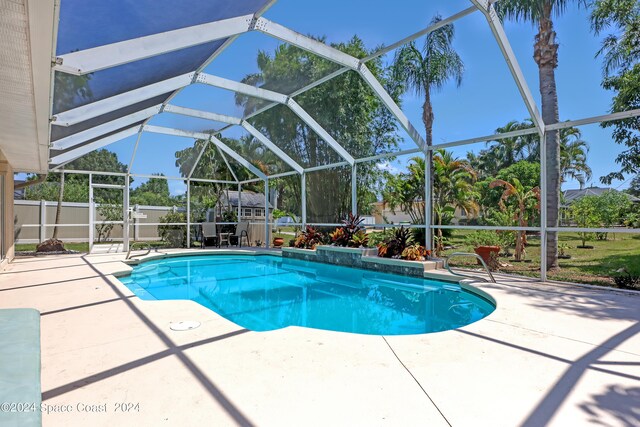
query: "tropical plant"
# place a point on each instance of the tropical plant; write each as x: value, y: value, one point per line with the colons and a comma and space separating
x: 545, y: 54
x: 344, y: 235
x: 360, y: 239
x: 308, y: 239
x: 415, y: 252
x: 503, y: 153
x: 393, y: 246
x: 429, y: 69
x: 562, y: 249
x: 453, y: 189
x: 573, y: 156
x: 524, y: 200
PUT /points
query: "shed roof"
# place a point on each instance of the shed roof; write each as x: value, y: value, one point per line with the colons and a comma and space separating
x: 249, y: 199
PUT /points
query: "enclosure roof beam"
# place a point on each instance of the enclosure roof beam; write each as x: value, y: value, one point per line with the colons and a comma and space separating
x: 332, y: 54
x: 170, y: 108
x: 95, y: 145
x: 98, y: 108
x: 114, y: 54
x: 243, y: 88
x: 271, y: 146
x: 269, y: 95
x: 226, y: 162
x: 494, y: 137
x: 488, y: 10
x: 190, y: 112
x: 596, y: 119
x: 200, y: 135
x: 200, y: 154
x: 374, y: 55
x: 315, y: 126
x: 103, y: 129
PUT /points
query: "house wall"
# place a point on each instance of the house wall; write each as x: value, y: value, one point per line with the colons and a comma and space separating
x: 6, y: 212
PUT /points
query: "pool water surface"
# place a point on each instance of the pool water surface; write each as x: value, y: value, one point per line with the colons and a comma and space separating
x: 265, y: 292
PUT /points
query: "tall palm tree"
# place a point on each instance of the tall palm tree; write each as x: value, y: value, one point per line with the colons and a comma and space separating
x: 428, y: 69
x: 545, y: 54
x: 453, y: 189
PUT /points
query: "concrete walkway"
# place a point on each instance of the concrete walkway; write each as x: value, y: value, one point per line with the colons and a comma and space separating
x: 549, y: 355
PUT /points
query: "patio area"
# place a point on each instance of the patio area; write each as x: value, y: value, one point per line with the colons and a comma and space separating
x: 549, y: 355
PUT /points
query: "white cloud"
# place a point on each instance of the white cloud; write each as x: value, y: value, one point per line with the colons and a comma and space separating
x: 388, y: 167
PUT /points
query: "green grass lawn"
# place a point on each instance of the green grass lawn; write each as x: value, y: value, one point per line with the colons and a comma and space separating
x: 592, y: 266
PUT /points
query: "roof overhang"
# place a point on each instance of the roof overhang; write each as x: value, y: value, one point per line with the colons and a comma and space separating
x: 28, y: 29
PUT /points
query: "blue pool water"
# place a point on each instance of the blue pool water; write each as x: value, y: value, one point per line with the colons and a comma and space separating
x: 265, y: 292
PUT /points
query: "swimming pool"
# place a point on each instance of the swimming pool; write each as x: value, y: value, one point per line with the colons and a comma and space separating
x: 265, y: 292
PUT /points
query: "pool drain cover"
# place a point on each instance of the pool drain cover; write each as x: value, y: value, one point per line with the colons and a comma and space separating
x: 184, y: 325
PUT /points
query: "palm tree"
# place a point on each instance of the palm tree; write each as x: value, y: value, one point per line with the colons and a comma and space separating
x: 429, y: 69
x: 523, y: 199
x: 573, y: 156
x: 453, y: 189
x: 545, y: 54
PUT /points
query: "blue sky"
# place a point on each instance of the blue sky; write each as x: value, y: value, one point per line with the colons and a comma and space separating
x: 487, y: 98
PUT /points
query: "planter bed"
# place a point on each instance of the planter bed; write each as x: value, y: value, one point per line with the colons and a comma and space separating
x: 365, y: 258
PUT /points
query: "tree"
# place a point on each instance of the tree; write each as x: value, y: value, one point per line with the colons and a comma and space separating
x: 504, y: 152
x: 453, y: 189
x: 524, y: 200
x: 621, y: 68
x: 573, y: 156
x: 345, y: 106
x: 528, y: 173
x: 634, y: 186
x: 545, y: 54
x: 428, y: 69
x: 154, y: 192
x: 606, y: 210
x: 585, y: 214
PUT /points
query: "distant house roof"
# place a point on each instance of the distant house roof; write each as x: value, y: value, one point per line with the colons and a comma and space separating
x: 18, y: 194
x: 571, y: 196
x: 249, y: 199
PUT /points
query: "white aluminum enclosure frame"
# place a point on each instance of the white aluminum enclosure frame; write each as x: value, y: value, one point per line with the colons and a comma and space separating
x: 170, y: 108
x: 114, y: 54
x: 135, y: 49
x: 200, y: 135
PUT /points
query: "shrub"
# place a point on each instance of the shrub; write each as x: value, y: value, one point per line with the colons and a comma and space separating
x: 415, y: 252
x: 627, y: 282
x: 483, y: 238
x: 308, y: 239
x: 344, y: 235
x: 174, y: 235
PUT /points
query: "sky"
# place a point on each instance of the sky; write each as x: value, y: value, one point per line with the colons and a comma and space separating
x: 487, y: 98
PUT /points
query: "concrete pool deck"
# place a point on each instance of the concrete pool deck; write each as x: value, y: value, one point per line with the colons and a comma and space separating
x: 549, y: 355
